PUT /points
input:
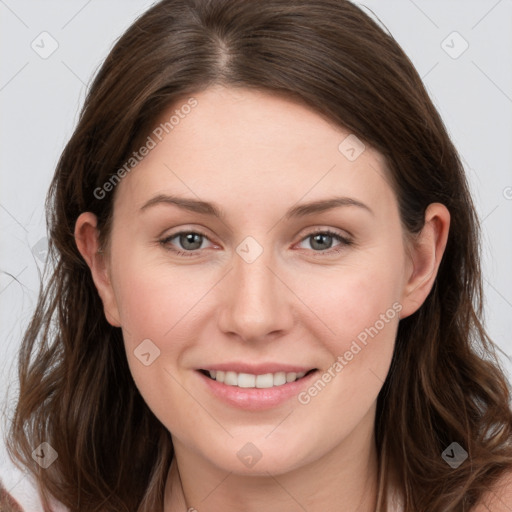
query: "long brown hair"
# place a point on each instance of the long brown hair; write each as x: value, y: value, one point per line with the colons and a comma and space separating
x: 445, y: 383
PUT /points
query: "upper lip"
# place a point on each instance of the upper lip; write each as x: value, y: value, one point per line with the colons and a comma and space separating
x: 257, y: 369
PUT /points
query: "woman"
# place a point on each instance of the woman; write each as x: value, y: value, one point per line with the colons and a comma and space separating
x: 319, y: 345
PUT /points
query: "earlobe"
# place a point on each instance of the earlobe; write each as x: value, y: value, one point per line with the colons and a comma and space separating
x: 87, y: 242
x: 425, y: 254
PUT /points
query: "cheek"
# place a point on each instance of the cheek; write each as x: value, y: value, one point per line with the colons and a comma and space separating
x: 353, y: 300
x: 157, y: 308
x: 360, y: 307
x: 154, y: 299
x: 345, y: 392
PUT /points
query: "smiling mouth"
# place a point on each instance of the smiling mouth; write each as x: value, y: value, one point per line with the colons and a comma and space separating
x: 248, y: 380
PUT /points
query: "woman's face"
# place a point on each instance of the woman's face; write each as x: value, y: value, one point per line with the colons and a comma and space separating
x: 304, y: 268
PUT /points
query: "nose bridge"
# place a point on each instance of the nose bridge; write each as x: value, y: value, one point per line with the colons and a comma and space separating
x: 254, y: 279
x: 257, y: 302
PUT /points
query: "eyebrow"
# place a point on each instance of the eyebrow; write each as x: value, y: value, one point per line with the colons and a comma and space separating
x: 301, y: 210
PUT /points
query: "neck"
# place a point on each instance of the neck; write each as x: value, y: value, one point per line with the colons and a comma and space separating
x: 345, y: 480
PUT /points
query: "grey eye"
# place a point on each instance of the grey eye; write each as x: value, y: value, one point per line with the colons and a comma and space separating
x: 321, y: 241
x: 190, y: 241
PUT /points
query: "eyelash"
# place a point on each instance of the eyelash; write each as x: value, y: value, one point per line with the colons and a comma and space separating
x: 344, y: 242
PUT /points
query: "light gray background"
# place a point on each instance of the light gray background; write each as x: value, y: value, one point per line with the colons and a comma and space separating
x: 40, y: 100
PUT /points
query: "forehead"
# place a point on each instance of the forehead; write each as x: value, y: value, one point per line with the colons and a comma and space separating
x: 237, y: 145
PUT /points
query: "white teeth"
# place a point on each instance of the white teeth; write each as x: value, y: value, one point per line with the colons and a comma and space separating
x: 265, y: 381
x: 245, y: 380
x: 279, y: 378
x: 231, y: 379
x: 248, y: 380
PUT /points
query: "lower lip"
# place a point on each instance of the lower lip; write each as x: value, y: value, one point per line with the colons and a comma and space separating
x: 256, y: 399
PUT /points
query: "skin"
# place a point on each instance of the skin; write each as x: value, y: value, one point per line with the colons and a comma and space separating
x: 255, y: 155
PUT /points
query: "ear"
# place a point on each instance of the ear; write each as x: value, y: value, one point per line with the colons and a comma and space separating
x: 425, y: 253
x: 87, y: 241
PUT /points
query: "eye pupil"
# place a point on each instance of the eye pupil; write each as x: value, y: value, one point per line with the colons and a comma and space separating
x: 323, y: 239
x: 191, y: 238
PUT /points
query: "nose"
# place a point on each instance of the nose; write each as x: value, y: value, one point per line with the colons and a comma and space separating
x: 256, y: 302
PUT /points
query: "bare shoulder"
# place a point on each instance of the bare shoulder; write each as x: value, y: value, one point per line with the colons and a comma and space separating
x: 7, y: 502
x: 499, y: 498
